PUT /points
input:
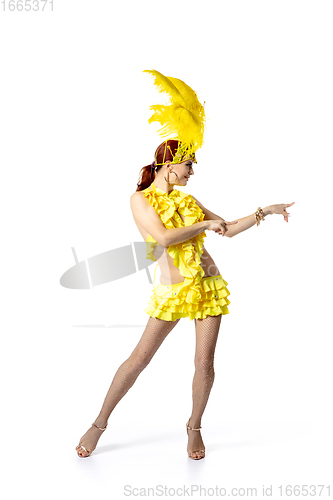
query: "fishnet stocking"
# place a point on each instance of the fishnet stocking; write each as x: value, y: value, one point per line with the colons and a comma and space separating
x: 207, y: 331
x: 156, y: 331
x: 127, y: 373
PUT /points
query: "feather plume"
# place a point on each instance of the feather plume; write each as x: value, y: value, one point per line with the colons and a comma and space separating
x: 183, y: 118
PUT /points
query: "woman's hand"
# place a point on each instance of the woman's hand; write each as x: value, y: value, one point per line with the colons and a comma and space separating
x: 219, y: 226
x: 281, y: 209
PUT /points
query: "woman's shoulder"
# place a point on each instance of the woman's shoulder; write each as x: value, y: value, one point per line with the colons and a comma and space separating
x: 145, y: 196
x: 143, y: 192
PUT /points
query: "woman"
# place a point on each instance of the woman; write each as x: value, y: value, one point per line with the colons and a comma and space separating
x: 173, y: 225
x: 190, y: 284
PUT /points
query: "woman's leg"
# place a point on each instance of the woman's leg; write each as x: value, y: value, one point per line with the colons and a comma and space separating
x: 127, y: 373
x: 207, y: 331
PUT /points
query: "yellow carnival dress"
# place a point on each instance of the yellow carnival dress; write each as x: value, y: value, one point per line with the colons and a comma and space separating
x: 195, y: 297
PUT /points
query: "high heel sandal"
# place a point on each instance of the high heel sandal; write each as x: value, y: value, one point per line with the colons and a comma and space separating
x: 85, y: 449
x: 194, y: 451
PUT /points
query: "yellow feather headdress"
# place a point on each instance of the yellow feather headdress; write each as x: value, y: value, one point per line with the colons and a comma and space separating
x: 183, y: 118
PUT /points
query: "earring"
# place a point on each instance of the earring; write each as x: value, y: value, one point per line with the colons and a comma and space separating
x: 172, y: 172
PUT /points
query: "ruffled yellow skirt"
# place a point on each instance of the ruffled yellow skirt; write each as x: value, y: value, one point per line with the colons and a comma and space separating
x: 165, y: 304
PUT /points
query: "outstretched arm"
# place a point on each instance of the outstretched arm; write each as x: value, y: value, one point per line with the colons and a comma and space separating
x: 250, y: 220
x: 245, y: 222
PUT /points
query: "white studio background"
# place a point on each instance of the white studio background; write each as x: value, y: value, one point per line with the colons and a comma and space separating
x: 74, y: 109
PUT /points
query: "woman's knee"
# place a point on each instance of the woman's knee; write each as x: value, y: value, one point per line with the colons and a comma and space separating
x: 204, y: 363
x: 137, y: 362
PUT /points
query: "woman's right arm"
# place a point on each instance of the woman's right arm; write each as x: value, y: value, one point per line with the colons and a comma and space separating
x: 176, y: 235
x: 147, y: 216
x: 180, y: 234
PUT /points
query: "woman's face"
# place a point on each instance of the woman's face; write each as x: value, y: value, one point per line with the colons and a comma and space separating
x: 184, y: 170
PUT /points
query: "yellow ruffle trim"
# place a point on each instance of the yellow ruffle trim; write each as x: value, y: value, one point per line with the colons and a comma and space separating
x: 167, y: 304
x: 150, y: 245
x: 191, y: 298
x: 169, y: 208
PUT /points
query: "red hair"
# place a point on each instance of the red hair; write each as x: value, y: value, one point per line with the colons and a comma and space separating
x: 164, y: 153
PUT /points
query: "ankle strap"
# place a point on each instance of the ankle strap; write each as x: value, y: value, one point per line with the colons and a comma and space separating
x: 191, y: 428
x: 100, y: 428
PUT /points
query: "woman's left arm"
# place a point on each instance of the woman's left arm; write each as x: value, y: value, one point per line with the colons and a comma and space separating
x: 249, y: 221
x: 246, y: 222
